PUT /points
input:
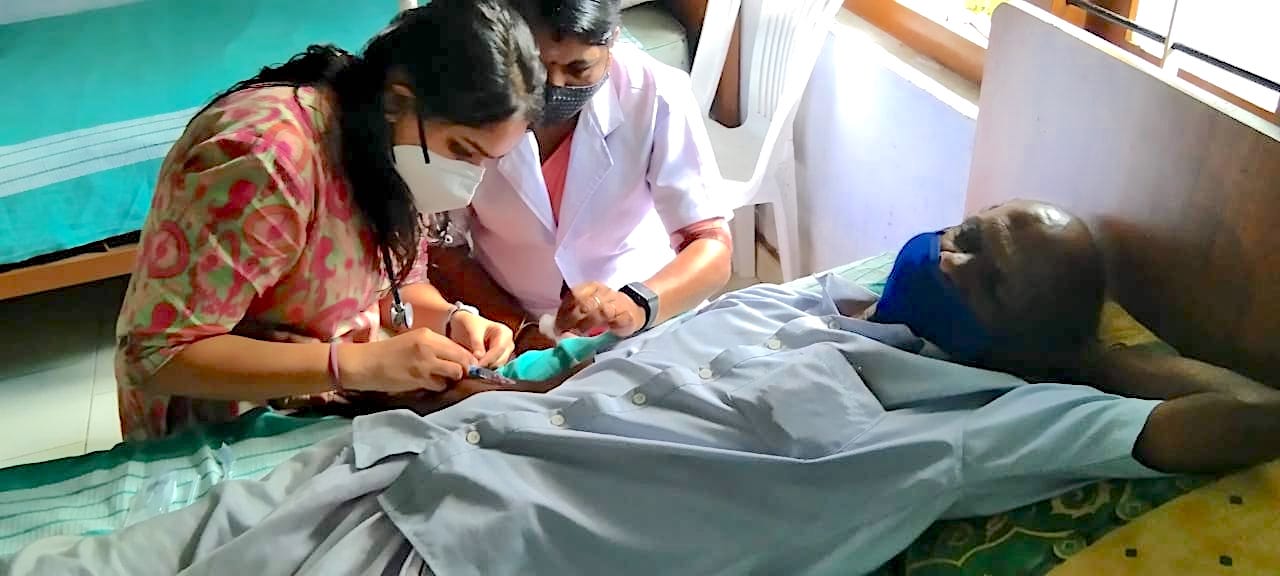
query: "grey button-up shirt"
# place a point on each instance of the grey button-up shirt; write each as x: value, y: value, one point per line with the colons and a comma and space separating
x: 769, y: 433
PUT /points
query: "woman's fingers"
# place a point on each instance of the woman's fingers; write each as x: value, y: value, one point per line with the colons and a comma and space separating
x: 578, y: 307
x: 625, y: 317
x: 445, y: 372
x: 499, y: 344
x: 476, y: 341
x: 449, y: 351
x: 445, y: 358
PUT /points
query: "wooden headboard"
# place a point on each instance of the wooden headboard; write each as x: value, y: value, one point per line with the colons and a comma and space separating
x: 1181, y: 187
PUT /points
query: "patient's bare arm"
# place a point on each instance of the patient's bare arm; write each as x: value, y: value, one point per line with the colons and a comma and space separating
x: 1209, y: 432
x: 1212, y: 420
x: 1143, y: 374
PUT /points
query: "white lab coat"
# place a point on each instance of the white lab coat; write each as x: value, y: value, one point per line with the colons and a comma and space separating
x: 641, y: 167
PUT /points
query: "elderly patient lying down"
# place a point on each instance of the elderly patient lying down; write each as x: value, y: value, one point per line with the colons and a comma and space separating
x: 774, y: 432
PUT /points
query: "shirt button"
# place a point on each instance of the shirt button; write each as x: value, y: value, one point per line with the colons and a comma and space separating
x: 774, y: 344
x: 833, y: 325
x: 473, y: 437
x: 705, y: 373
x: 557, y: 420
x: 639, y: 398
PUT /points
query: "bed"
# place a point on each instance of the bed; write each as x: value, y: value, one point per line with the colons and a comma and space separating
x: 105, y: 491
x: 83, y: 139
x: 1191, y: 250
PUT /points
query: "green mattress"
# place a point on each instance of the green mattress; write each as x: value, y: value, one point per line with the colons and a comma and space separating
x: 104, y: 491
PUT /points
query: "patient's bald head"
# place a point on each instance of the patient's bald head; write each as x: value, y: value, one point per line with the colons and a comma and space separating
x: 1032, y: 273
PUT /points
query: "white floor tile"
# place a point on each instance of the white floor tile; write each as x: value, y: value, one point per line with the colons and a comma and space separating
x: 104, y: 372
x: 52, y: 329
x: 104, y: 423
x: 45, y: 455
x: 104, y: 377
x: 47, y: 409
x: 767, y: 267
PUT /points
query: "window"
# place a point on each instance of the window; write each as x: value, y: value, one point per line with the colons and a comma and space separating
x: 1240, y: 32
x: 1237, y: 32
x: 1185, y: 37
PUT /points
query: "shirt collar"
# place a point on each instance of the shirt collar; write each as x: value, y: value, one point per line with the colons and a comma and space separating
x: 847, y: 299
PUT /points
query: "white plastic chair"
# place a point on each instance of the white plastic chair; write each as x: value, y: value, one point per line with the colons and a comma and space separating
x: 712, y: 49
x: 781, y: 41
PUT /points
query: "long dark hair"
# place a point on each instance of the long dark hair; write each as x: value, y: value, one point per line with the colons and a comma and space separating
x: 468, y: 62
x: 592, y: 22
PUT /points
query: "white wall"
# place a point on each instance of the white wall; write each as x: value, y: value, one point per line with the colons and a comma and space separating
x: 883, y: 143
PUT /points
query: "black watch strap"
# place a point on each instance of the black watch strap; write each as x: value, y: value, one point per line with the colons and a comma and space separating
x: 646, y: 299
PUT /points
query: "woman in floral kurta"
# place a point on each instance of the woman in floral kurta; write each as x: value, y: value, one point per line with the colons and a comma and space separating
x: 261, y: 251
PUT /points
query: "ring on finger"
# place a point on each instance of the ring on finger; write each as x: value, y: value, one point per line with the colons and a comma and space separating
x: 599, y: 303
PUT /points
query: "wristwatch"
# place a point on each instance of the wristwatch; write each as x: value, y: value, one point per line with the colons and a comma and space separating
x: 646, y: 299
x: 457, y: 307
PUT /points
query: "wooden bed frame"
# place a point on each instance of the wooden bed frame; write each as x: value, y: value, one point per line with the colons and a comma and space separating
x: 104, y: 262
x: 1181, y: 187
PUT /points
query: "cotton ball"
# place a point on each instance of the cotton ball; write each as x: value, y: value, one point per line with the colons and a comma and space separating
x: 547, y: 326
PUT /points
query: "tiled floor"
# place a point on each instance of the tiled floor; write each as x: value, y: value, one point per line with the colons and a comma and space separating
x: 56, y: 377
x: 57, y: 384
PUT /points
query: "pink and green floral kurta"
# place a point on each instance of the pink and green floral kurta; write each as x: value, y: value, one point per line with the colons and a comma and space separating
x: 252, y: 231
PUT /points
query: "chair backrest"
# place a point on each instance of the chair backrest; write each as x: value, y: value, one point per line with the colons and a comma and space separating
x: 781, y: 41
x: 713, y: 48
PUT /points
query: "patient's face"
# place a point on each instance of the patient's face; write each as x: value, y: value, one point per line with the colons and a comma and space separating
x: 994, y: 257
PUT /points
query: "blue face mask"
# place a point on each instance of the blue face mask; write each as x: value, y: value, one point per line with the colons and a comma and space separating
x: 918, y: 295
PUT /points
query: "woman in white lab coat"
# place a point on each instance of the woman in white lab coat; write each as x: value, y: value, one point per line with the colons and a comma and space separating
x: 608, y: 215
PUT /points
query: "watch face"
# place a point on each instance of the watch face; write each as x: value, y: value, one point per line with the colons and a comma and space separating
x: 644, y: 298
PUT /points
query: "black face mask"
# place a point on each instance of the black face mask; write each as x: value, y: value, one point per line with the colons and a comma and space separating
x: 564, y: 102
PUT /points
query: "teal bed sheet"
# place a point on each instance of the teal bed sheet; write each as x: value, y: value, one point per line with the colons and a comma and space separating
x: 93, y: 101
x: 104, y: 491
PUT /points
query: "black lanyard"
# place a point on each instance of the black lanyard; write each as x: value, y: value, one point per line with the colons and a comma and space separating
x: 401, y: 316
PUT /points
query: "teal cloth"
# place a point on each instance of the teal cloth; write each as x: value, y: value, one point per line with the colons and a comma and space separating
x: 89, y: 70
x: 158, y: 56
x: 97, y: 493
x: 545, y: 364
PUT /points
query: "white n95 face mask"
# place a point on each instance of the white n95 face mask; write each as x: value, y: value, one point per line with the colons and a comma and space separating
x: 442, y: 185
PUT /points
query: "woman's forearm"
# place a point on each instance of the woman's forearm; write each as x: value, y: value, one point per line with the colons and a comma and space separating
x: 230, y: 367
x: 697, y: 273
x: 459, y: 277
